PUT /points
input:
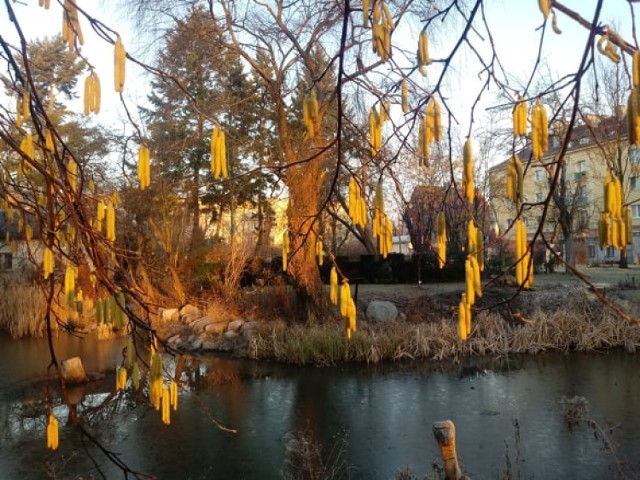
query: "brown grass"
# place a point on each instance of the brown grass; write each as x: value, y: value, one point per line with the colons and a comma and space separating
x: 23, y: 309
x: 580, y: 326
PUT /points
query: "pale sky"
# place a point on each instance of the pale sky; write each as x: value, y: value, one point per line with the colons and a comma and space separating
x: 513, y: 23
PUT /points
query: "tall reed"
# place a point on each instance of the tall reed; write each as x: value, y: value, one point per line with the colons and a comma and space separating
x: 22, y: 309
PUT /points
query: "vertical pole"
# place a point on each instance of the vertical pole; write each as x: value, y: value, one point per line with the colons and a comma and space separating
x: 445, y: 434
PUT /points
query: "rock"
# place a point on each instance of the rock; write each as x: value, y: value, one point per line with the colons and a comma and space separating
x: 190, y: 317
x: 73, y: 370
x: 200, y: 324
x: 188, y: 309
x: 381, y: 311
x: 230, y: 335
x: 225, y: 346
x: 235, y: 325
x: 197, y: 344
x: 169, y: 314
x: 216, y: 328
x: 249, y: 330
x: 249, y: 327
x: 209, y: 345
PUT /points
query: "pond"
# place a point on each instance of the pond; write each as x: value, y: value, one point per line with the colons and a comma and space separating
x: 376, y: 419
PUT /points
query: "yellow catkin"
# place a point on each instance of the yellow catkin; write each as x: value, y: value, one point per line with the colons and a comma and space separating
x: 633, y: 116
x: 635, y: 68
x: 100, y: 210
x: 119, y: 65
x: 520, y: 118
x: 405, y: 95
x: 52, y: 432
x: 286, y: 247
x: 135, y: 376
x: 121, y: 378
x: 173, y: 391
x: 319, y: 252
x: 218, y: 153
x: 351, y: 316
x: 69, y: 280
x: 111, y: 222
x: 545, y: 7
x: 480, y: 249
x: 333, y: 286
x: 47, y: 263
x: 468, y: 167
x: 71, y: 30
x: 166, y: 405
x: 27, y: 146
x: 131, y: 353
x: 155, y: 392
x: 628, y: 222
x: 48, y: 141
x: 462, y: 318
x: 345, y: 296
x: 72, y: 174
x: 375, y: 131
x: 144, y: 169
x: 477, y: 283
x: 310, y: 112
x: 92, y: 93
x: 381, y: 29
x: 423, y: 52
x: 442, y: 239
x: 539, y: 130
x: 26, y: 104
x: 365, y: 13
x: 469, y: 282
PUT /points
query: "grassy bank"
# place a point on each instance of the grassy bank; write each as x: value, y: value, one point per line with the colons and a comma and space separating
x: 581, y: 325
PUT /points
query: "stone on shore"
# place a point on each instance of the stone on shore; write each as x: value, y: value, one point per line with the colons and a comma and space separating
x: 381, y: 311
x: 73, y: 370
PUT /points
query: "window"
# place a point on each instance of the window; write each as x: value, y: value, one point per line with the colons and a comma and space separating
x: 6, y: 261
x: 540, y: 174
x: 634, y: 183
x: 582, y: 166
x: 634, y: 154
x: 539, y: 197
x: 610, y: 252
x: 635, y: 211
x: 591, y: 250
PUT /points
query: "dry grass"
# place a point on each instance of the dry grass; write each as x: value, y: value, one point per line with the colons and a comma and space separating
x: 580, y: 326
x: 23, y: 310
x: 24, y: 306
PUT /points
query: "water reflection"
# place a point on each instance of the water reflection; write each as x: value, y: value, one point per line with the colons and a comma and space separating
x: 385, y: 413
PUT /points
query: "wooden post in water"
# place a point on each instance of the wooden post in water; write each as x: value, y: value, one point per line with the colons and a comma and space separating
x: 445, y: 433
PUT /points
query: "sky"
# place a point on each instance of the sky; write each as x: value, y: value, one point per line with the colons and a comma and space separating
x: 514, y: 25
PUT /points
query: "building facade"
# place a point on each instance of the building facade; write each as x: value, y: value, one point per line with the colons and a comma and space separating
x: 597, y: 145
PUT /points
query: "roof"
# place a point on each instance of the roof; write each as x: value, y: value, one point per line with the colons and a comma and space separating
x: 604, y: 129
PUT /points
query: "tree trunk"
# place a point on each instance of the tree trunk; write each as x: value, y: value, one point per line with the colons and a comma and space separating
x: 569, y: 256
x: 305, y: 183
x: 624, y: 262
x: 304, y: 179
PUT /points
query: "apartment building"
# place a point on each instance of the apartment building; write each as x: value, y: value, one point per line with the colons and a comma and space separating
x: 596, y: 144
